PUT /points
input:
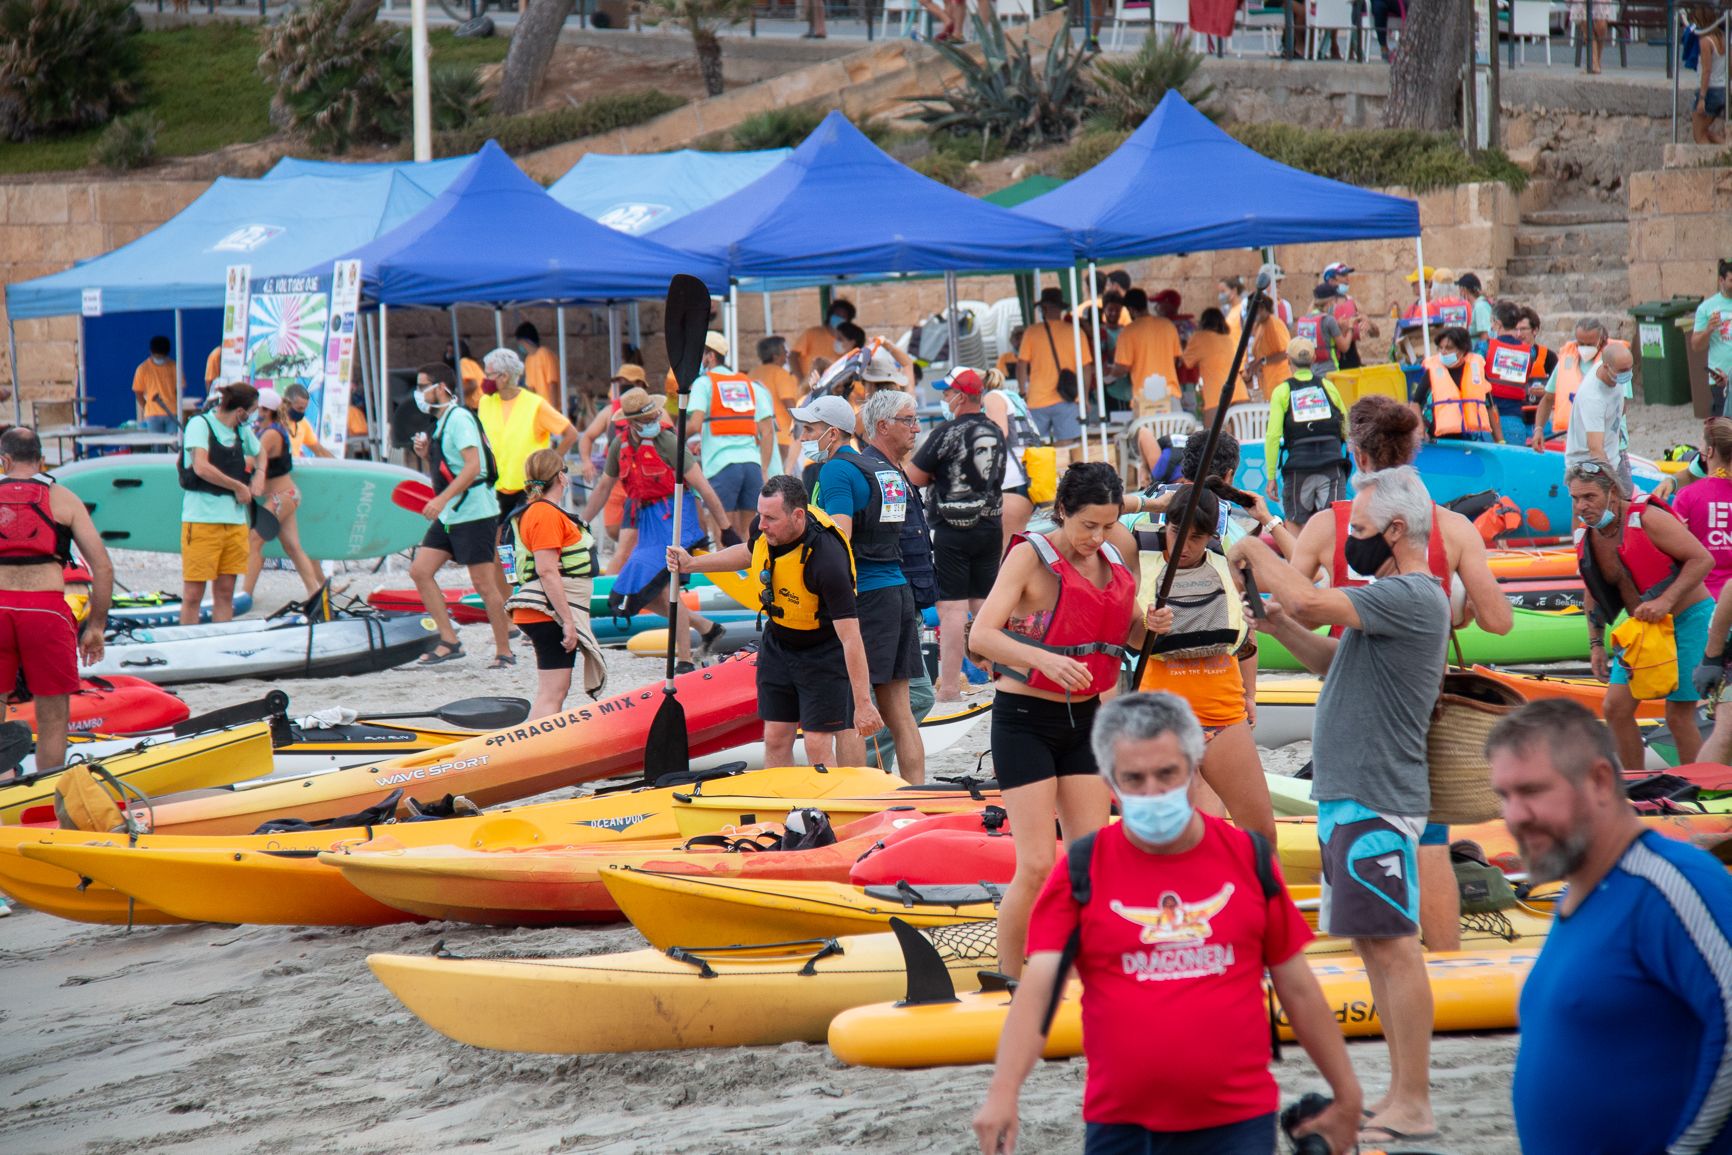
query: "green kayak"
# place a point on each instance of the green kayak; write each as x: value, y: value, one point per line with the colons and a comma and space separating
x: 1538, y: 636
x: 710, y: 598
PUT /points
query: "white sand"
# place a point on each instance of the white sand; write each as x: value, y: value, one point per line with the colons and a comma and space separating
x: 214, y: 1039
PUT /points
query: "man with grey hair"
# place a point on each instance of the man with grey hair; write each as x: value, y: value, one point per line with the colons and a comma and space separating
x: 1630, y: 992
x: 1171, y: 917
x: 867, y: 495
x: 1576, y: 360
x: 1372, y: 783
x: 517, y: 422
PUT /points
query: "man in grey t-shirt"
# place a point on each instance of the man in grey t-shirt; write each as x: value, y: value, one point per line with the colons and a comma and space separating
x: 1381, y: 681
x: 1598, y: 431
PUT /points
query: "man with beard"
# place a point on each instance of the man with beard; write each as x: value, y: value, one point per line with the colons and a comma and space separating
x: 1630, y: 992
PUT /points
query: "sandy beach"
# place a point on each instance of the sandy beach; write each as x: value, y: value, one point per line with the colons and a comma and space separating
x: 274, y: 1039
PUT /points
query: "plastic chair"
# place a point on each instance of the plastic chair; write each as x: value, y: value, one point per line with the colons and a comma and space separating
x: 1161, y: 425
x: 905, y: 10
x: 1004, y: 315
x: 1326, y: 16
x: 1266, y: 21
x: 1532, y: 20
x: 1009, y: 10
x: 1132, y: 13
x: 1248, y: 421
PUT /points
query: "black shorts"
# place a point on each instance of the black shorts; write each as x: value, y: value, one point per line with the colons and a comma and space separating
x: 468, y: 542
x: 1034, y: 739
x: 809, y: 687
x: 966, y: 560
x: 509, y: 500
x: 890, y: 629
x: 549, y: 653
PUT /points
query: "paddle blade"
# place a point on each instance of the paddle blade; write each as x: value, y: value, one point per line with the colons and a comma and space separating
x: 666, y: 751
x: 412, y: 495
x: 687, y: 320
x: 265, y: 523
x: 484, y: 713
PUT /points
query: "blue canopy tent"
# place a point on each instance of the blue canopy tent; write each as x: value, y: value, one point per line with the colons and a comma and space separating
x: 1181, y: 185
x: 635, y: 194
x: 278, y: 226
x: 432, y: 175
x: 494, y: 237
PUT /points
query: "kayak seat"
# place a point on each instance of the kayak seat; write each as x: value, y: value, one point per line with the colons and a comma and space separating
x: 966, y: 894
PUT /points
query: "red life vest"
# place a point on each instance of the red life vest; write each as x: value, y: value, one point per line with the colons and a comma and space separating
x: 1310, y: 328
x: 1646, y: 563
x: 1341, y: 577
x: 1454, y: 311
x: 1508, y: 368
x: 642, y: 471
x: 29, y: 535
x: 1082, y: 614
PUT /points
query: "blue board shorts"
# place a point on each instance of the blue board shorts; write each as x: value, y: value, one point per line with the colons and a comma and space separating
x: 1690, y: 630
x: 737, y: 486
x: 1370, y: 871
x: 1057, y: 423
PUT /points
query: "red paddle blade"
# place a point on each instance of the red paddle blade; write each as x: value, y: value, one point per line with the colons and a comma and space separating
x: 412, y: 495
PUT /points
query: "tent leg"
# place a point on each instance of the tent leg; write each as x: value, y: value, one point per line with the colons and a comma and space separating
x: 364, y: 363
x: 1424, y: 305
x: 1100, y: 375
x: 734, y: 324
x: 769, y: 316
x: 456, y: 347
x: 498, y: 328
x: 564, y: 389
x: 12, y: 361
x: 1082, y: 394
x: 384, y: 383
x: 80, y: 391
x: 954, y: 331
x: 634, y: 324
x: 179, y: 361
x: 613, y: 349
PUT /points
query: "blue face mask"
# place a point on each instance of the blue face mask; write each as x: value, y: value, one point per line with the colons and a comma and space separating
x: 1606, y: 518
x: 813, y: 451
x: 837, y: 320
x: 1449, y: 360
x: 1622, y: 380
x: 1157, y: 818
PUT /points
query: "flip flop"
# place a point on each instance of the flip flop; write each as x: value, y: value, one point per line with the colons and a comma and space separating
x: 433, y: 657
x: 1382, y: 1136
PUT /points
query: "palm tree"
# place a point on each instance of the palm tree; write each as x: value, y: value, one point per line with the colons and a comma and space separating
x: 702, y: 18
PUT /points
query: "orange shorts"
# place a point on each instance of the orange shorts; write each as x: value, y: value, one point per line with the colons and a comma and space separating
x: 613, y: 514
x: 1212, y: 686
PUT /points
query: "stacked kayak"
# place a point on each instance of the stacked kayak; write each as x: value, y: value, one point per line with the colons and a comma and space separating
x: 113, y: 705
x: 1537, y: 636
x: 947, y: 725
x: 269, y: 648
x: 159, y: 609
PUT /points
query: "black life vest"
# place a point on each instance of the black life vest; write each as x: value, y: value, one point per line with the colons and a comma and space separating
x: 915, y: 545
x: 443, y: 474
x: 230, y: 460
x: 1311, y: 427
x: 29, y: 535
x: 877, y: 529
x: 279, y: 466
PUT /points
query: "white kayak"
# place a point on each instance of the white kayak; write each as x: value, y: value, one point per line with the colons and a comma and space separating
x: 939, y: 732
x: 277, y: 648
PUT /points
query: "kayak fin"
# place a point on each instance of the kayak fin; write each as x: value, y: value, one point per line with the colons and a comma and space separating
x: 928, y: 978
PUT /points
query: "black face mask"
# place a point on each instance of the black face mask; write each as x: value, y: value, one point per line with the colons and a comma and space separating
x: 1367, y: 555
x: 296, y: 414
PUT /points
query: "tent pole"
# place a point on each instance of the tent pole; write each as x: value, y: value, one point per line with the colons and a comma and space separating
x: 769, y: 316
x: 81, y: 391
x: 179, y: 357
x: 498, y: 329
x: 634, y: 323
x: 1100, y: 378
x: 564, y: 389
x: 1424, y: 305
x: 363, y: 362
x: 456, y: 347
x: 12, y: 361
x: 1082, y: 394
x: 613, y: 349
x: 953, y: 330
x: 384, y: 382
x: 734, y: 324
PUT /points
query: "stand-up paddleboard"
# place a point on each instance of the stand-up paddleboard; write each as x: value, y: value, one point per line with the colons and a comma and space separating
x: 282, y: 648
x: 160, y: 609
x: 347, y: 509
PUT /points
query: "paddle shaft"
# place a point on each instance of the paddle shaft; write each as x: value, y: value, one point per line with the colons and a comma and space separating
x: 1255, y: 313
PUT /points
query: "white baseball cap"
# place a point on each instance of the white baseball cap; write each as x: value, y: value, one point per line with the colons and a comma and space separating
x: 270, y: 399
x: 830, y: 410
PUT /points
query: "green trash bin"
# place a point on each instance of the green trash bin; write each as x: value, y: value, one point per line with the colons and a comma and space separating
x: 1662, y: 349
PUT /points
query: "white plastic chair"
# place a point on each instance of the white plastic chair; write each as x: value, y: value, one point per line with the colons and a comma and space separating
x: 1326, y: 16
x: 905, y: 10
x: 1132, y: 13
x: 1532, y: 20
x: 1161, y: 425
x: 1009, y: 10
x: 1174, y: 14
x: 1248, y: 421
x: 1004, y: 315
x: 1266, y: 22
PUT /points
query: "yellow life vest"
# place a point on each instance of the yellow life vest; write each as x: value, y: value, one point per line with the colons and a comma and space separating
x: 793, y: 604
x: 1206, y: 622
x: 512, y: 435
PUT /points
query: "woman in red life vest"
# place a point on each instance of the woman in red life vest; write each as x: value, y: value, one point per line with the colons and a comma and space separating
x: 1056, y: 627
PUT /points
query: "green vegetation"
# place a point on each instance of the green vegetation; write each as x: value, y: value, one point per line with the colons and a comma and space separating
x: 1381, y: 157
x: 535, y: 130
x: 1127, y: 90
x: 1090, y: 149
x: 786, y: 128
x: 128, y: 143
x: 65, y: 65
x: 945, y: 169
x: 1006, y: 95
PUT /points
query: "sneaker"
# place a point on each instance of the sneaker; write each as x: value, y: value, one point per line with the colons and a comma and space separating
x: 710, y: 638
x: 5, y: 908
x: 684, y: 668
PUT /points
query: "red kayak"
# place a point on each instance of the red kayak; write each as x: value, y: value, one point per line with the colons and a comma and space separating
x: 943, y: 849
x: 408, y: 601
x: 117, y: 705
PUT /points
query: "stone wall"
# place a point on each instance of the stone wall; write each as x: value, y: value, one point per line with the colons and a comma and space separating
x: 1680, y: 225
x: 46, y: 226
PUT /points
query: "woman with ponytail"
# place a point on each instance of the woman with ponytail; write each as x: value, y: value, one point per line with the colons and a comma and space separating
x: 555, y: 573
x: 1704, y: 504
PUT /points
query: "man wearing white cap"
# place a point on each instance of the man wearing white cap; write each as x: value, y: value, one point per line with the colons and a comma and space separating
x: 1283, y: 307
x: 736, y: 418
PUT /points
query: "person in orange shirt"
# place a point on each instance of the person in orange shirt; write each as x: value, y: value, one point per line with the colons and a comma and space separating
x: 153, y: 388
x: 1006, y: 364
x: 782, y: 386
x: 1047, y: 350
x: 1149, y: 347
x: 540, y: 366
x: 1210, y: 352
x: 469, y: 371
x: 213, y: 368
x: 822, y: 340
x: 555, y: 572
x: 1266, y: 360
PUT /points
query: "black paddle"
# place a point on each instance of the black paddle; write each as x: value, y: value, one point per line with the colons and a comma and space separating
x: 687, y: 320
x: 469, y: 713
x: 265, y: 523
x: 1254, y: 313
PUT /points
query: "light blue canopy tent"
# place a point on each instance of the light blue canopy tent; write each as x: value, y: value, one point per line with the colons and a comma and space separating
x: 432, y: 175
x: 635, y: 194
x: 278, y: 226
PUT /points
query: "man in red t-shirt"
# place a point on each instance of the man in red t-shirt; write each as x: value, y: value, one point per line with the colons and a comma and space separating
x: 1174, y: 942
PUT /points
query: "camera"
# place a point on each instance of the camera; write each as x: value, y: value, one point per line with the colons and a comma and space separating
x: 1308, y: 1107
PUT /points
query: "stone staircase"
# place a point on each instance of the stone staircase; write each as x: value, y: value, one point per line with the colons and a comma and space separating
x: 1569, y: 263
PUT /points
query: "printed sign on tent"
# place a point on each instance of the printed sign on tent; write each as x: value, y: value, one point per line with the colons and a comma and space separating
x: 287, y: 320
x: 236, y: 290
x: 330, y: 408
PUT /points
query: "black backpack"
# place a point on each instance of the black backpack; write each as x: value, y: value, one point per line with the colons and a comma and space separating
x: 443, y: 474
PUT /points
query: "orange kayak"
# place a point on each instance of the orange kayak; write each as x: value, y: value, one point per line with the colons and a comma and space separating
x: 1586, y: 691
x: 1526, y: 564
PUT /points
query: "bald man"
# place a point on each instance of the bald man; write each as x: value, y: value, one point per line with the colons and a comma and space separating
x: 1597, y: 428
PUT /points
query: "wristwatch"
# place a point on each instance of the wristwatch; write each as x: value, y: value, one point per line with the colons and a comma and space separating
x: 1274, y: 520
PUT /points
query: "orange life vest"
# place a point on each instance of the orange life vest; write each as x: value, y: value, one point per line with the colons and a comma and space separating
x: 733, y: 406
x: 1458, y: 410
x: 1569, y: 377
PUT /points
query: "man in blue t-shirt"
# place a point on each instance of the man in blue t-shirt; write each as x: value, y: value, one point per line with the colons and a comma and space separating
x: 1624, y: 1043
x: 1713, y: 332
x: 867, y: 496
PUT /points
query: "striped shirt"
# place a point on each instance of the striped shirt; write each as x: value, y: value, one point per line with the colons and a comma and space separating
x: 1625, y: 1044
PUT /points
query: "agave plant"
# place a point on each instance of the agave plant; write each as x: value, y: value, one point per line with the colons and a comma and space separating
x: 1006, y: 95
x: 1127, y: 90
x: 64, y: 65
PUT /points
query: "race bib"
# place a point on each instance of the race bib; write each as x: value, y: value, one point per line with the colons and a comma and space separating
x: 895, y: 490
x: 1509, y: 365
x: 735, y: 395
x: 1310, y: 403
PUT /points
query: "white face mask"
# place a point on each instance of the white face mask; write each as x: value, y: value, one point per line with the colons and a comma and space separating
x: 648, y: 429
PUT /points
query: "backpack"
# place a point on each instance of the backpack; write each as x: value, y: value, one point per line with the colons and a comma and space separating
x: 1079, y: 859
x: 444, y: 474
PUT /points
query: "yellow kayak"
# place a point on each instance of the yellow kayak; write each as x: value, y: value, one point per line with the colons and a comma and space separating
x: 649, y: 1000
x: 621, y: 818
x: 716, y: 811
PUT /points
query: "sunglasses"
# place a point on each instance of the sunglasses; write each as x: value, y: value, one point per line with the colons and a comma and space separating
x: 1593, y: 469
